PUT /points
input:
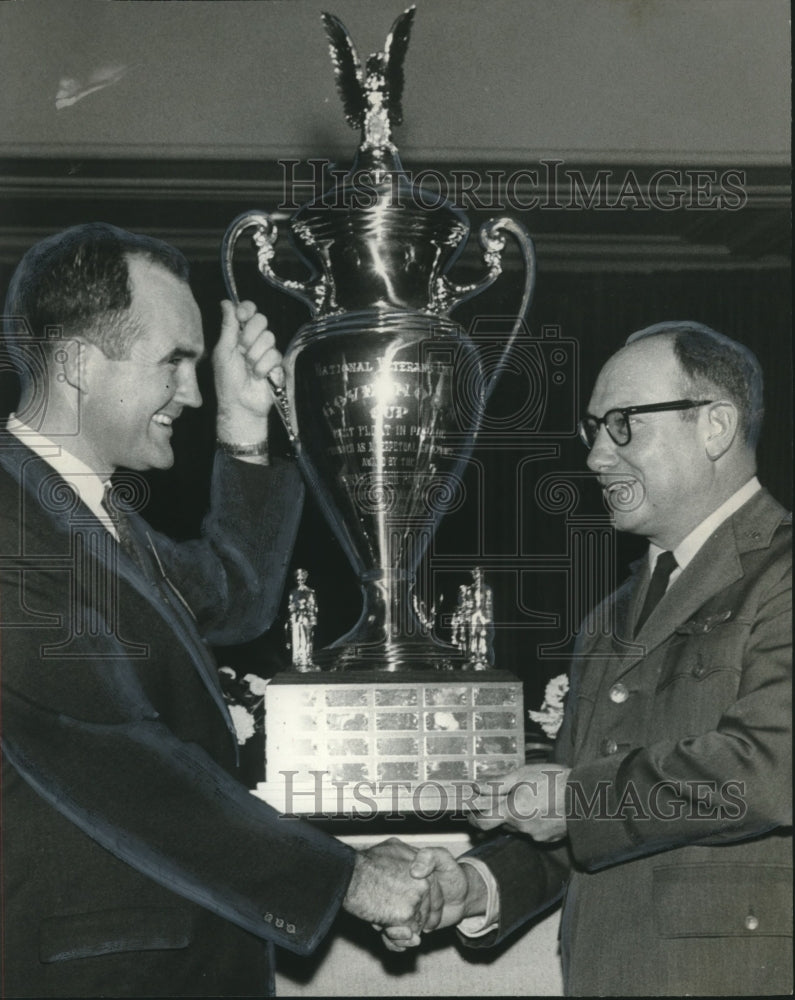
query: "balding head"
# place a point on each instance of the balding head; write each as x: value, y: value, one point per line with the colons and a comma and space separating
x: 714, y: 365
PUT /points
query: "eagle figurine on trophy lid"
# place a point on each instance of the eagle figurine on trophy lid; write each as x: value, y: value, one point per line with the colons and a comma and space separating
x: 372, y: 97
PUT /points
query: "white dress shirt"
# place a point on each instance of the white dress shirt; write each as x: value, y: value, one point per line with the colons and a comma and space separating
x: 89, y: 486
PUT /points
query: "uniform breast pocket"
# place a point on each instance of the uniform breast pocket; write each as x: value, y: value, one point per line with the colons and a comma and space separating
x: 700, y: 673
x: 106, y: 932
x: 703, y: 647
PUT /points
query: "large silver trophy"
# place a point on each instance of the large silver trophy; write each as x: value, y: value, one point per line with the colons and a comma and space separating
x: 382, y: 393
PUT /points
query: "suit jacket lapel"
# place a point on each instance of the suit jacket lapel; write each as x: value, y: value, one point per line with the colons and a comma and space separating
x: 175, y: 609
x: 628, y: 607
x: 598, y: 652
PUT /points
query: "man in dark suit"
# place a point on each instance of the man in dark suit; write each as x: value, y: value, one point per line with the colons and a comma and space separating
x: 673, y: 849
x: 134, y: 863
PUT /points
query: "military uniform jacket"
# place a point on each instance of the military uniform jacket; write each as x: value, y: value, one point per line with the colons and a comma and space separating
x: 676, y: 871
x: 134, y: 863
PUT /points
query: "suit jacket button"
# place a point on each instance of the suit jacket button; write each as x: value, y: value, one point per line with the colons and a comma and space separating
x: 618, y: 693
x: 609, y: 746
x: 751, y: 922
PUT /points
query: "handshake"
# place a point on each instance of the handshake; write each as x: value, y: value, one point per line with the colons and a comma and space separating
x: 403, y: 891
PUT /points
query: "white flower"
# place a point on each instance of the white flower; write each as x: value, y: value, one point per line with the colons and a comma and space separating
x: 243, y: 722
x: 556, y: 690
x: 256, y: 684
x: 551, y: 714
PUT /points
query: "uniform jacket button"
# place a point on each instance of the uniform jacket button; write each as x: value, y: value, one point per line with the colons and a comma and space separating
x: 618, y: 693
x: 751, y: 922
x: 609, y: 746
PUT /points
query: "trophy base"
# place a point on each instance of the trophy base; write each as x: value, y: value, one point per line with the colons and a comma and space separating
x: 353, y: 745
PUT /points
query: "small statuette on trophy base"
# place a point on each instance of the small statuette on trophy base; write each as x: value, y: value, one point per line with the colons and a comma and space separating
x: 473, y: 623
x: 300, y: 626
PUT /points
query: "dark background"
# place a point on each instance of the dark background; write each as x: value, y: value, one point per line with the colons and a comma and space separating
x: 601, y: 275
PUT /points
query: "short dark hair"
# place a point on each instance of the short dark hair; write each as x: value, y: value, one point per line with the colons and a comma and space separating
x: 710, y: 361
x: 77, y: 282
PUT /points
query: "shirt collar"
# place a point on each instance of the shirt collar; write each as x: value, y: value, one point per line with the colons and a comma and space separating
x: 89, y: 486
x: 689, y: 546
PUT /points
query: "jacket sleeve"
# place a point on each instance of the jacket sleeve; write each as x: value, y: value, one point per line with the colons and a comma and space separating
x: 167, y: 809
x: 233, y: 577
x: 530, y: 879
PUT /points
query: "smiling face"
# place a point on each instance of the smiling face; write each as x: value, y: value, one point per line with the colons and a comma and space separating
x: 663, y: 483
x: 129, y: 405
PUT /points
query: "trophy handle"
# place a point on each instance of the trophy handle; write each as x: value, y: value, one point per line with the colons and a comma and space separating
x: 446, y: 294
x: 492, y: 246
x: 264, y: 237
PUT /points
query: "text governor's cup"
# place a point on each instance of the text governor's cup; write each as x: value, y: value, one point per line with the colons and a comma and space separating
x: 382, y: 393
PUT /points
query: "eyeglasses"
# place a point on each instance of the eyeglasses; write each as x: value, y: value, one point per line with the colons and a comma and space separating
x: 617, y: 421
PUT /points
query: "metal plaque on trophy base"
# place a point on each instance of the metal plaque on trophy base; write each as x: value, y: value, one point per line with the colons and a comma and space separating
x: 382, y: 395
x: 345, y: 744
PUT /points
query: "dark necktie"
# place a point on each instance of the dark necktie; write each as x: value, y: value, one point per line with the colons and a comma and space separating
x: 121, y: 523
x: 658, y: 584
